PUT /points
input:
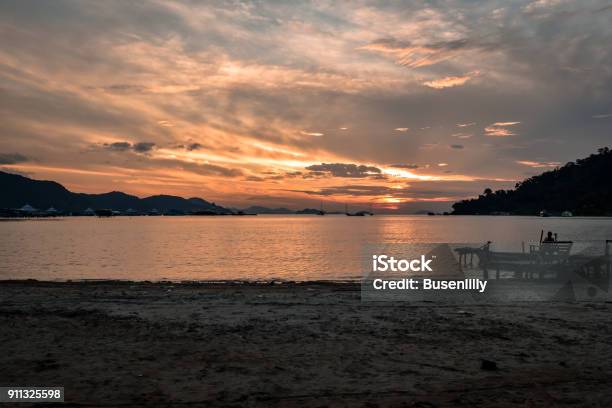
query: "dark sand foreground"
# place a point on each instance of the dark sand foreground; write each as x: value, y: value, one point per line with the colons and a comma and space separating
x: 294, y: 345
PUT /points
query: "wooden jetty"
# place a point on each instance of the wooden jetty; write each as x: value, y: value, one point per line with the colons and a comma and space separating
x: 546, y: 260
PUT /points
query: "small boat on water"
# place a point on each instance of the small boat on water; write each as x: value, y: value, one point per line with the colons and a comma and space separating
x: 356, y: 214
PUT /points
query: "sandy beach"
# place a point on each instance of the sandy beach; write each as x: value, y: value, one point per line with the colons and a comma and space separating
x: 294, y: 345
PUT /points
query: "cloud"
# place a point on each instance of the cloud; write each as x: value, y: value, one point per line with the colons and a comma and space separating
x: 449, y: 81
x: 462, y: 135
x: 203, y: 169
x: 254, y: 178
x: 404, y: 166
x: 317, y: 134
x: 194, y: 146
x: 542, y: 5
x: 385, y: 192
x: 12, y: 158
x: 537, y: 164
x: 505, y: 123
x: 245, y: 81
x: 603, y: 116
x: 352, y: 190
x: 140, y: 147
x: 143, y: 147
x: 118, y: 146
x: 498, y: 129
x: 346, y: 170
x: 402, y: 129
x: 416, y: 55
x: 442, y: 164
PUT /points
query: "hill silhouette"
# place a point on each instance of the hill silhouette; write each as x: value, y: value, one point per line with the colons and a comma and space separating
x: 19, y: 190
x: 582, y: 187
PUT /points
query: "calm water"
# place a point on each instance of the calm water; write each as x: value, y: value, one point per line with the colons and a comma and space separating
x: 263, y: 247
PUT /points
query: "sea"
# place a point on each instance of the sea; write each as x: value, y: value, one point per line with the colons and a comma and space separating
x: 253, y: 248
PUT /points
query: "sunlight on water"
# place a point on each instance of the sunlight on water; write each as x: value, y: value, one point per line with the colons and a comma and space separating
x: 263, y: 247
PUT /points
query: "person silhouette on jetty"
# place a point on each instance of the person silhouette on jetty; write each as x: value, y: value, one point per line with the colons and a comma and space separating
x: 549, y: 237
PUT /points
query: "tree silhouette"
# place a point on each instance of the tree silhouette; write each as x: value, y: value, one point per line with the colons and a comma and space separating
x: 583, y: 187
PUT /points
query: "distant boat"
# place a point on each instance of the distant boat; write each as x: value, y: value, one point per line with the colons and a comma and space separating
x: 567, y: 214
x: 356, y: 214
x: 321, y: 212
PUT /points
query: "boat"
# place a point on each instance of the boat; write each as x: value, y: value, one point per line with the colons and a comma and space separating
x: 321, y: 211
x: 356, y: 214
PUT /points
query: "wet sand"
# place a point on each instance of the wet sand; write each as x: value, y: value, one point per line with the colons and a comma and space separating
x: 295, y: 345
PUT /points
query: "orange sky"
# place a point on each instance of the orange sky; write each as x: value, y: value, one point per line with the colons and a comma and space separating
x: 292, y: 104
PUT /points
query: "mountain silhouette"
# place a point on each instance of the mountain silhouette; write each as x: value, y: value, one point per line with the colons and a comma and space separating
x: 19, y: 190
x: 582, y: 187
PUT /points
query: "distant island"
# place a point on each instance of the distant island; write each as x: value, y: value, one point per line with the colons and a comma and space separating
x: 583, y: 188
x: 19, y: 191
x: 23, y: 196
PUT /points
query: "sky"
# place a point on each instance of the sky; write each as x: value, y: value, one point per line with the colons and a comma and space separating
x: 395, y: 105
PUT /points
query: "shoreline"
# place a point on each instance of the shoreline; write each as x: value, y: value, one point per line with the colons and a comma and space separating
x: 298, y: 344
x: 187, y: 283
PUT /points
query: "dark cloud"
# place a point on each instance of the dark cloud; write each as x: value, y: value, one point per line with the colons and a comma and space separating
x: 118, y: 146
x: 143, y: 147
x: 346, y: 170
x: 12, y: 158
x: 140, y: 147
x: 194, y: 146
x: 456, y: 146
